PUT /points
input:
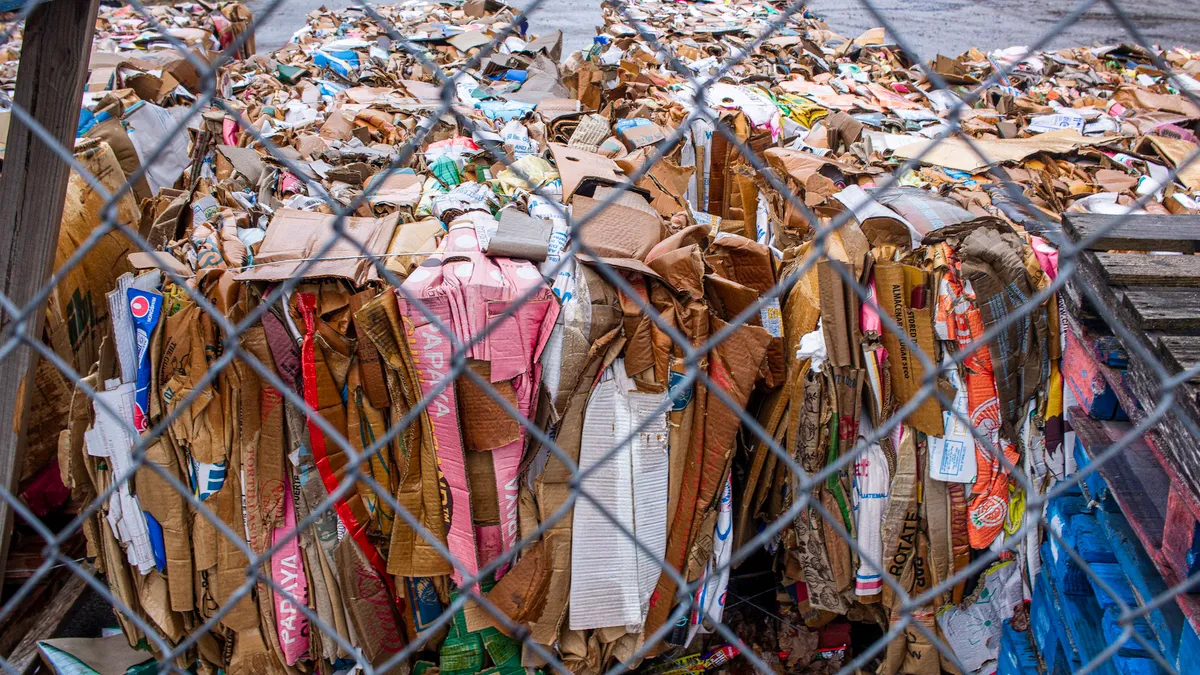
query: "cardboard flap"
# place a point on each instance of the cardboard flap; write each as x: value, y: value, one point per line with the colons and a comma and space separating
x: 550, y: 44
x: 396, y: 189
x: 730, y: 296
x: 903, y: 293
x: 485, y: 424
x: 954, y: 153
x: 682, y: 268
x: 246, y: 161
x: 575, y: 165
x: 144, y: 260
x: 880, y: 224
x: 641, y: 136
x: 620, y: 230
x: 800, y: 165
x: 742, y: 260
x: 622, y: 264
x: 520, y: 235
x: 293, y: 236
x: 924, y: 211
x: 107, y: 656
x: 422, y: 91
x: 552, y: 108
x: 412, y: 243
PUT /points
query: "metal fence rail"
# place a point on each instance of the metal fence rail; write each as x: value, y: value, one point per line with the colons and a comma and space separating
x: 239, y: 356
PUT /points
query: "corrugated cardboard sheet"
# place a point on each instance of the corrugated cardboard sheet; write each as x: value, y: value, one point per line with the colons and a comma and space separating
x: 628, y: 503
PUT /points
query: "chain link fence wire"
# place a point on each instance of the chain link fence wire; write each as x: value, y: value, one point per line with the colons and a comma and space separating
x: 301, y: 447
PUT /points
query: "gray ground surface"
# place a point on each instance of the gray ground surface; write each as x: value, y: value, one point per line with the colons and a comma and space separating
x: 927, y: 26
x: 951, y: 27
x: 577, y: 19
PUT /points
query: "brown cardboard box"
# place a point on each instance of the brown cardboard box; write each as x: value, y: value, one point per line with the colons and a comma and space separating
x: 903, y: 294
x: 627, y: 228
x: 641, y: 136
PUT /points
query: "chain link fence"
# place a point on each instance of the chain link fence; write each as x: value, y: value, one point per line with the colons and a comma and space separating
x: 719, y: 401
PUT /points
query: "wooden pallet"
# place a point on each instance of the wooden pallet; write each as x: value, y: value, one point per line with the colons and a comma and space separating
x: 50, y: 84
x: 41, y: 616
x: 1135, y: 483
x: 1018, y: 656
x: 47, y: 607
x: 1073, y: 613
x: 1144, y: 271
x: 1138, y: 483
x: 1076, y: 620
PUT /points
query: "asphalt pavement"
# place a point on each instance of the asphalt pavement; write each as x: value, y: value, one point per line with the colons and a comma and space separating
x: 951, y: 27
x: 929, y: 27
x: 577, y: 19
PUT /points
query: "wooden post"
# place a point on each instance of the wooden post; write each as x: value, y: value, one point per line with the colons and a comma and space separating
x: 54, y: 64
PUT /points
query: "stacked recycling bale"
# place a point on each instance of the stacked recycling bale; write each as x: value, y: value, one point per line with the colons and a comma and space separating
x: 492, y: 349
x: 128, y: 45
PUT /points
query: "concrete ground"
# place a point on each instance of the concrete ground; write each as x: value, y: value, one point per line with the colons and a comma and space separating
x: 928, y: 26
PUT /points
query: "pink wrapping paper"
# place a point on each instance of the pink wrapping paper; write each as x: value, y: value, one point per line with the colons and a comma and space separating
x: 287, y: 570
x: 1047, y: 256
x: 467, y: 290
x: 229, y: 129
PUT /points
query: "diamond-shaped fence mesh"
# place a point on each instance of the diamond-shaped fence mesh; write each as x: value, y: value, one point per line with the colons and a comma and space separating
x: 726, y: 344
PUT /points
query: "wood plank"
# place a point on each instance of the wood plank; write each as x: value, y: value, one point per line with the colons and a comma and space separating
x: 45, y: 623
x: 1189, y: 651
x: 1172, y: 310
x: 1080, y: 615
x: 1140, y: 483
x: 1057, y: 618
x: 1179, y: 531
x: 1049, y: 635
x: 1146, y: 582
x: 1138, y: 390
x: 54, y: 65
x: 1180, y: 447
x: 1134, y: 477
x: 1135, y: 232
x: 1079, y: 305
x: 1101, y: 343
x: 14, y: 5
x: 1017, y: 653
x: 1149, y: 269
x: 27, y: 553
x: 1180, y: 352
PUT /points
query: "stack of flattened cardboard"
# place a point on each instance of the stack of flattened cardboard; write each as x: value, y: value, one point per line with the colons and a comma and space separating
x: 128, y: 54
x: 528, y: 393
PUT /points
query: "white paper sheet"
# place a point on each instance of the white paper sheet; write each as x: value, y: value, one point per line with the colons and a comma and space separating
x: 149, y: 127
x: 952, y: 457
x: 631, y: 485
x: 112, y: 437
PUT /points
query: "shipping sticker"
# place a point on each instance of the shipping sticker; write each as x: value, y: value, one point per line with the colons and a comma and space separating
x: 680, y: 398
x: 207, y: 479
x: 772, y: 317
x: 713, y: 222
